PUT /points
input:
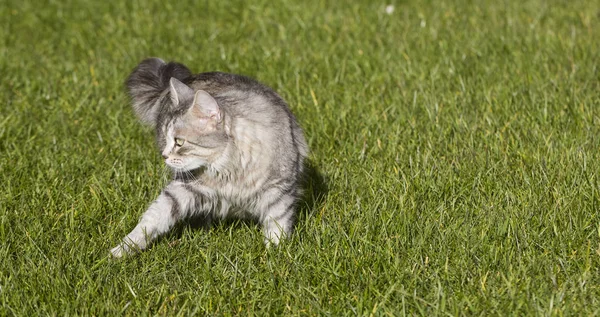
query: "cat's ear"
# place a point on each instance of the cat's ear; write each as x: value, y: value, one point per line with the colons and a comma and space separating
x: 179, y: 91
x: 207, y: 105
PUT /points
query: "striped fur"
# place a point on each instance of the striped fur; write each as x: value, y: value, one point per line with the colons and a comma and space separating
x: 234, y: 147
x: 148, y: 81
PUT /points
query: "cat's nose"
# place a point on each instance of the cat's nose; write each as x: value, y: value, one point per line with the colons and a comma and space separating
x: 165, y: 156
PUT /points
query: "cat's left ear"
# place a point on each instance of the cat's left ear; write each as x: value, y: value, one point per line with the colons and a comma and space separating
x: 179, y: 91
x: 207, y: 105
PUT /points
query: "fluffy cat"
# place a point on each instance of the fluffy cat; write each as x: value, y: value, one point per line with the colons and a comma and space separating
x: 233, y: 145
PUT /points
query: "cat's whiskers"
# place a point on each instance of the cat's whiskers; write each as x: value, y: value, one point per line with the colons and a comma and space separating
x: 190, y: 175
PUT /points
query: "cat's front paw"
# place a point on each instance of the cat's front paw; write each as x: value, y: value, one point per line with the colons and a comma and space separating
x: 118, y: 251
x: 122, y: 250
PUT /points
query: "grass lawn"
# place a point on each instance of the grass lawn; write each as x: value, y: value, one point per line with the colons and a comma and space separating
x: 455, y: 153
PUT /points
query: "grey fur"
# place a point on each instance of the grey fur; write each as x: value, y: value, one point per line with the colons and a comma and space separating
x: 148, y: 81
x: 235, y: 148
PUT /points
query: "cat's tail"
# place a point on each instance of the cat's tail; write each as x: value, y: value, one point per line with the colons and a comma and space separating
x: 147, y: 83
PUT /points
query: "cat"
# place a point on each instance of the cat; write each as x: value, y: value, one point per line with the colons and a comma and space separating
x: 234, y: 147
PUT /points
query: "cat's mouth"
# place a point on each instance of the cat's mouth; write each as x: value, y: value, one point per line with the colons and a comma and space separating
x: 175, y: 163
x: 187, y: 170
x: 180, y: 166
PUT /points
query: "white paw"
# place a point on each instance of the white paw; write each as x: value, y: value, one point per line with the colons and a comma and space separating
x: 119, y: 251
x: 272, y: 240
x: 124, y: 249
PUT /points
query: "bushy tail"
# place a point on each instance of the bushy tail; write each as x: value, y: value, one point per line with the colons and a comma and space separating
x: 148, y: 81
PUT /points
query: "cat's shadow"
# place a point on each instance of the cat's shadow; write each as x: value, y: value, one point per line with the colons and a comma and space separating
x: 315, y: 190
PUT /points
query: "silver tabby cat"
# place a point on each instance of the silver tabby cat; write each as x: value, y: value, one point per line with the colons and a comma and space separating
x: 233, y: 145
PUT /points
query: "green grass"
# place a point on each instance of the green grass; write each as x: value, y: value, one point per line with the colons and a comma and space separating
x: 455, y: 146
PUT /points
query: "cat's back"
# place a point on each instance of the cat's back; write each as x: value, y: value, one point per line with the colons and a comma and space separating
x: 220, y: 83
x: 217, y: 80
x: 244, y: 97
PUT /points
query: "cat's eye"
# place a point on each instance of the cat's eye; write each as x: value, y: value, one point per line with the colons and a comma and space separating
x: 179, y: 142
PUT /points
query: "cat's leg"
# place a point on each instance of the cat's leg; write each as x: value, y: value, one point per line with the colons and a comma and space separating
x: 278, y: 220
x: 177, y: 201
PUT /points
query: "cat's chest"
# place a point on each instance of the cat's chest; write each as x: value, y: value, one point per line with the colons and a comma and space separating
x: 240, y: 192
x: 239, y: 196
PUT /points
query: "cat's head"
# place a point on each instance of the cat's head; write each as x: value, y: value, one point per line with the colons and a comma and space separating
x: 194, y: 134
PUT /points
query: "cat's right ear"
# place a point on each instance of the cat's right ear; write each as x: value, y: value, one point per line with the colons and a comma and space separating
x: 180, y: 91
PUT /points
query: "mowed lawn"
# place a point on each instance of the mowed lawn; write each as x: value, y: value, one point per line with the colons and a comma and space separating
x: 455, y: 158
